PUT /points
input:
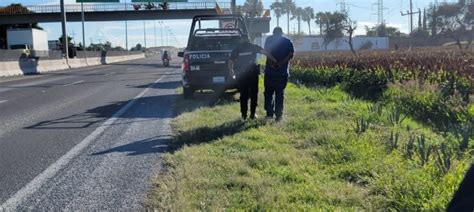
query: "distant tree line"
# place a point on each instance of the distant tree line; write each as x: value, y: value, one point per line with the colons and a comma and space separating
x: 453, y: 20
x: 447, y: 20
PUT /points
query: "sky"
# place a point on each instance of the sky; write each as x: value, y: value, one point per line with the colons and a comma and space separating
x: 175, y: 32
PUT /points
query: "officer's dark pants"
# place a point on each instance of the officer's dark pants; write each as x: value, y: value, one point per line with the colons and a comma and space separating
x: 248, y: 88
x: 275, y: 86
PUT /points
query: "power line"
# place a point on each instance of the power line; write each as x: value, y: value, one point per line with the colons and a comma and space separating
x: 356, y: 6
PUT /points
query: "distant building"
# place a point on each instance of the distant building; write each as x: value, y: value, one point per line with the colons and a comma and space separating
x: 316, y: 43
x: 54, y: 45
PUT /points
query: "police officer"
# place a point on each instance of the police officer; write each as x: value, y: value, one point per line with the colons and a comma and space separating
x: 245, y: 70
x: 276, y: 74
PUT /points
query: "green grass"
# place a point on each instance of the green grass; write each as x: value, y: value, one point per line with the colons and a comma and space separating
x: 313, y: 159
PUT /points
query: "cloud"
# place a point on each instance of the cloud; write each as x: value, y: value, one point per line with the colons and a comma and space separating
x: 361, y: 27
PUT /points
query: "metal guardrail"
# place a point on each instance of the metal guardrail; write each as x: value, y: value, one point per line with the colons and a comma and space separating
x: 110, y: 7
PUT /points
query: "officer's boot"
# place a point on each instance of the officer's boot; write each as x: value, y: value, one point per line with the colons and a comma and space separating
x: 253, y: 115
x: 244, y: 116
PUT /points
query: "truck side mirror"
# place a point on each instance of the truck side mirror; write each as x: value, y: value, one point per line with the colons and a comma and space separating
x: 180, y: 54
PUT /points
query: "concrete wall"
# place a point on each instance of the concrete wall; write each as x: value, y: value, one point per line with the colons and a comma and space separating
x: 316, y: 43
x: 25, y: 66
x: 418, y: 42
x: 14, y: 55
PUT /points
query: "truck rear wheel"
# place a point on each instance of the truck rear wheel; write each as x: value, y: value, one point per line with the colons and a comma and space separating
x: 188, y: 93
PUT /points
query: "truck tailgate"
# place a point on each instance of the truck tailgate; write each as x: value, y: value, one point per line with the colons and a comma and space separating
x: 209, y: 60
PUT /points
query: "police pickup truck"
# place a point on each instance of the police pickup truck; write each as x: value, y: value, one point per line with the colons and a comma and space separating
x: 205, y: 63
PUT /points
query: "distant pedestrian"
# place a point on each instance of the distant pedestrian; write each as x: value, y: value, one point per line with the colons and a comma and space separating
x: 243, y: 65
x: 276, y: 74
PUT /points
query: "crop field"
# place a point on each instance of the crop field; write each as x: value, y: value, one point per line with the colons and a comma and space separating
x: 428, y: 63
x: 446, y: 76
x: 382, y: 130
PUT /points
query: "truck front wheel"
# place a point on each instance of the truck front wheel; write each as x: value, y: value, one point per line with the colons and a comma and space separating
x: 188, y: 93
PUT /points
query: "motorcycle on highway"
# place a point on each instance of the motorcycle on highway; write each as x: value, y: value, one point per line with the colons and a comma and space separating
x: 166, y: 59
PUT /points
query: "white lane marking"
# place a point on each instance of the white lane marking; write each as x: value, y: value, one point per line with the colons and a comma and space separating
x: 3, y: 101
x: 21, y: 78
x: 109, y: 74
x: 74, y: 83
x: 14, y: 201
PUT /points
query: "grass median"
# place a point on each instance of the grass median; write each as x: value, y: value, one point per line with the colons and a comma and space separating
x: 331, y: 151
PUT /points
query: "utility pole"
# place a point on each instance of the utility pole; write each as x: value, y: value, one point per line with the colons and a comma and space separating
x: 410, y: 13
x: 63, y: 26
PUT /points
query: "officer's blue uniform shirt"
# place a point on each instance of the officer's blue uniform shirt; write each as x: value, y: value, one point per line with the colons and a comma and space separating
x: 279, y: 47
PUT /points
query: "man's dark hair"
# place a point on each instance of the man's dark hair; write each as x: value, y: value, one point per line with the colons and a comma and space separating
x: 278, y: 31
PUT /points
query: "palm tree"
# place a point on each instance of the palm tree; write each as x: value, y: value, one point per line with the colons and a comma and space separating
x: 298, y: 14
x: 288, y: 8
x: 253, y: 8
x: 308, y: 16
x: 277, y: 7
x: 320, y: 20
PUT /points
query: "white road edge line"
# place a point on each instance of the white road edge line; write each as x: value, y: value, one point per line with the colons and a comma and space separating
x: 109, y: 74
x: 74, y: 83
x: 3, y: 101
x: 30, y: 188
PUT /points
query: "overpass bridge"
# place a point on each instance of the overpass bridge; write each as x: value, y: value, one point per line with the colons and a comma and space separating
x: 109, y: 12
x: 122, y: 12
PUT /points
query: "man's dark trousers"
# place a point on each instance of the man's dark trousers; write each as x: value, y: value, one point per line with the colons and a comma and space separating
x: 275, y: 85
x: 248, y: 88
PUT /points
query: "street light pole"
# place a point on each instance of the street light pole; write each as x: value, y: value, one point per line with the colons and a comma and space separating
x: 167, y: 36
x: 64, y: 30
x: 83, y: 28
x: 144, y: 33
x: 161, y: 27
x: 154, y: 25
x: 126, y: 29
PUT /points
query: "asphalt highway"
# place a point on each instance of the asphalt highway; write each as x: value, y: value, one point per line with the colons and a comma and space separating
x: 86, y: 139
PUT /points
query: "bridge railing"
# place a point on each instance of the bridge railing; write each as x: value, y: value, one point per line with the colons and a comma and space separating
x: 114, y: 7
